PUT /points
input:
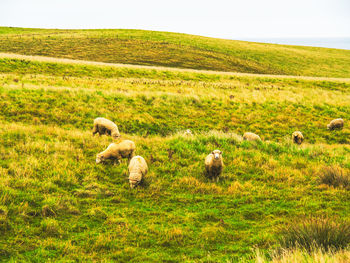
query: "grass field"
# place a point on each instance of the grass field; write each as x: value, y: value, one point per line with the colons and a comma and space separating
x: 142, y: 47
x: 57, y: 204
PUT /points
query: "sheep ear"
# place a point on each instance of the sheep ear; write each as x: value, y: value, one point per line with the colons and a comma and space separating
x: 212, y: 152
x: 220, y: 152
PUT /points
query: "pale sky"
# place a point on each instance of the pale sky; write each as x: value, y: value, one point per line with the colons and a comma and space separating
x: 221, y: 18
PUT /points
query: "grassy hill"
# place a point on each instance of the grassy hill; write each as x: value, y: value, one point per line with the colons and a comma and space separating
x: 143, y: 47
x: 57, y: 204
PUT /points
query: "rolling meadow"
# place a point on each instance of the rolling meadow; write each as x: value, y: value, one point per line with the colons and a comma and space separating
x: 154, y: 48
x: 57, y: 204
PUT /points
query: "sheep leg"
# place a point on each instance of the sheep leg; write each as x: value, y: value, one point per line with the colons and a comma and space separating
x: 130, y: 156
x: 206, y: 173
x: 116, y: 161
x: 94, y: 130
x: 101, y: 130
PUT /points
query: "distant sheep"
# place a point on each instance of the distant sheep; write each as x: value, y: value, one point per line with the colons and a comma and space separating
x: 105, y: 126
x: 214, y: 165
x: 137, y: 170
x: 297, y: 137
x: 249, y: 136
x: 117, y: 151
x: 336, y: 124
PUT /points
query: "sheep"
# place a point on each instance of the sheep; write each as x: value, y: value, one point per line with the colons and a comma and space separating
x: 249, y: 136
x: 104, y: 126
x: 117, y: 151
x: 137, y: 170
x: 214, y: 165
x: 336, y: 124
x: 297, y: 137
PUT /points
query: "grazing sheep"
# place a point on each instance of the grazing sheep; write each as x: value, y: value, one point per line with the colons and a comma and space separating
x: 117, y: 151
x: 336, y: 124
x: 137, y: 170
x: 214, y: 164
x: 249, y: 136
x: 104, y: 126
x: 297, y: 137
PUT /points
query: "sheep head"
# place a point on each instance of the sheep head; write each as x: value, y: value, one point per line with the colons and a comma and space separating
x: 115, y: 135
x: 99, y: 158
x: 133, y: 183
x: 298, y: 137
x: 217, y: 154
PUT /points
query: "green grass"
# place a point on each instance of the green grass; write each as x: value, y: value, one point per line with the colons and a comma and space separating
x: 155, y: 48
x: 57, y: 204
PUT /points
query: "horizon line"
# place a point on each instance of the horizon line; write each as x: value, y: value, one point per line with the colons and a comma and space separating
x: 189, y: 33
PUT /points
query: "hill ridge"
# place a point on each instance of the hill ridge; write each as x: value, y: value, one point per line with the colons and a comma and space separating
x: 158, y: 48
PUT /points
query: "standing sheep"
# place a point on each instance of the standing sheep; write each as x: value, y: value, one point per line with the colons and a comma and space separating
x: 297, y: 137
x: 104, y: 126
x: 214, y: 164
x: 249, y: 136
x: 137, y: 170
x: 116, y: 152
x: 336, y: 124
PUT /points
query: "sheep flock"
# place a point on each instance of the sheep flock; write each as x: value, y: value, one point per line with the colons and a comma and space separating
x: 137, y: 165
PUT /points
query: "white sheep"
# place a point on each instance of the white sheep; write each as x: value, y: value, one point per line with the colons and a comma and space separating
x: 137, y: 170
x: 249, y: 136
x: 105, y: 126
x: 117, y: 151
x: 336, y: 124
x: 297, y: 137
x: 214, y: 165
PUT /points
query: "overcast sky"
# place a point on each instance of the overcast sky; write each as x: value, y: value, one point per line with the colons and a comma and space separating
x: 220, y: 18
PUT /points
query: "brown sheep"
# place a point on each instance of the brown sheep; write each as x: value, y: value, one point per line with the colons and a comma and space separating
x: 249, y: 136
x: 297, y: 137
x: 336, y: 124
x: 214, y: 165
x: 104, y: 126
x: 137, y: 170
x: 117, y: 151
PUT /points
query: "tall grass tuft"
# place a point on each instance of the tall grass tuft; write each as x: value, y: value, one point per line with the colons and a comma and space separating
x: 322, y: 233
x: 335, y: 176
x: 301, y: 255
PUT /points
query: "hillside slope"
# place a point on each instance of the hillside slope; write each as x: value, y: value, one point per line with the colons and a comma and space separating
x: 141, y: 47
x: 57, y: 204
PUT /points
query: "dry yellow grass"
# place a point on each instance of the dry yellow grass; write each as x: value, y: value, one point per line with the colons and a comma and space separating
x: 300, y: 256
x: 119, y: 65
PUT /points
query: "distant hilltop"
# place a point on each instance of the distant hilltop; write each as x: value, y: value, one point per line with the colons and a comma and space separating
x: 328, y: 42
x: 154, y: 48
